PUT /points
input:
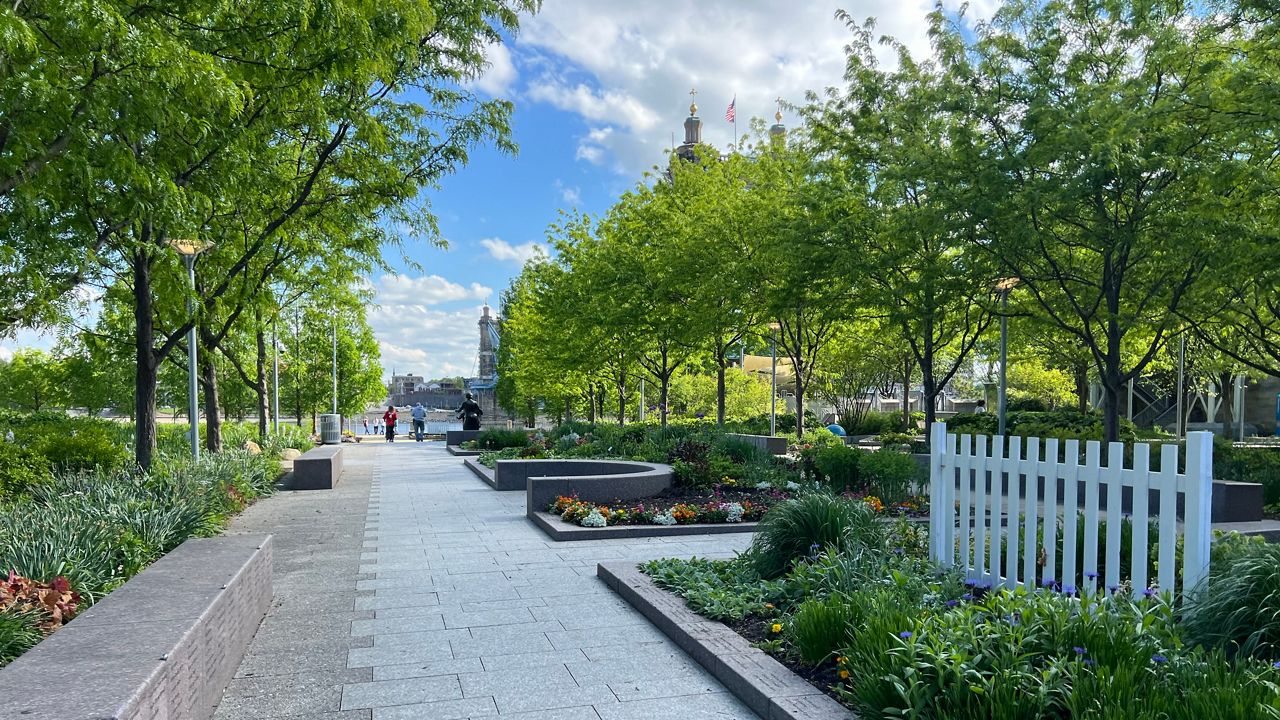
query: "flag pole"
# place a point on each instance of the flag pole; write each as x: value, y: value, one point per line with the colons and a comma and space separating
x: 735, y: 122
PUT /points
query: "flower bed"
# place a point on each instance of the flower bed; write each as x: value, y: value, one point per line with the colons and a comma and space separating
x: 726, y: 505
x: 730, y: 508
x: 855, y: 607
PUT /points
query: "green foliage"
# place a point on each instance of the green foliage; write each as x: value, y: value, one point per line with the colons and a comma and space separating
x: 726, y: 590
x: 1064, y: 423
x: 1033, y: 655
x: 1253, y: 465
x: 75, y: 451
x: 839, y: 464
x: 20, y: 470
x: 822, y: 626
x: 497, y: 439
x: 875, y: 422
x: 803, y: 526
x: 19, y: 632
x: 1239, y: 611
x: 888, y: 474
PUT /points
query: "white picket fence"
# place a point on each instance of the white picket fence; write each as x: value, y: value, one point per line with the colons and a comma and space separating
x: 975, y: 489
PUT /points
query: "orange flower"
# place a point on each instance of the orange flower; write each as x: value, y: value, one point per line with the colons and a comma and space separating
x: 844, y: 674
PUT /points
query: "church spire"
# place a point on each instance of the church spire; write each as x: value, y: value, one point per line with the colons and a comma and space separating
x: 778, y: 131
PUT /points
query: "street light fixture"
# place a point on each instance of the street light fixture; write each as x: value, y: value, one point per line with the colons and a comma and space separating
x: 1005, y: 286
x: 190, y: 250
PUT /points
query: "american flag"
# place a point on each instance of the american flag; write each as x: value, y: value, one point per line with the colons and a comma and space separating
x: 731, y: 114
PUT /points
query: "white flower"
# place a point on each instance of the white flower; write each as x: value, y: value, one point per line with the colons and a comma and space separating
x: 734, y: 510
x: 595, y: 519
x: 665, y: 518
x: 763, y: 486
x: 792, y: 485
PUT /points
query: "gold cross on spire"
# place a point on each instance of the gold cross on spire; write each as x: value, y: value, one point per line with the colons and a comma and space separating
x: 693, y: 101
x: 778, y: 115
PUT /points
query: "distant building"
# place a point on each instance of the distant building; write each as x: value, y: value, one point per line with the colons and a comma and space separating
x: 404, y: 384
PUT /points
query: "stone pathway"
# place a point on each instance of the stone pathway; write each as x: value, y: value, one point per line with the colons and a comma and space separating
x: 416, y: 591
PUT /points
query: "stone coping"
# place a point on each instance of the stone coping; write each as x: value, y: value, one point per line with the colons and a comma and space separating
x: 770, y: 444
x: 760, y: 682
x: 163, y: 645
x: 561, y: 531
x: 597, y: 481
x: 479, y: 470
x: 460, y: 452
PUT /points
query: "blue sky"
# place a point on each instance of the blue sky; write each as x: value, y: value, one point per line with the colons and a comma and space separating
x: 599, y: 87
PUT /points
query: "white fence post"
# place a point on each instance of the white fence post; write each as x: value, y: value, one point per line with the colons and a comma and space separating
x: 1197, y: 511
x: 939, y: 510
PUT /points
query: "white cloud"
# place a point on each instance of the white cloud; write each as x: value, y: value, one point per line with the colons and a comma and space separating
x: 626, y: 67
x: 501, y: 74
x: 571, y: 195
x: 502, y: 250
x: 425, y: 290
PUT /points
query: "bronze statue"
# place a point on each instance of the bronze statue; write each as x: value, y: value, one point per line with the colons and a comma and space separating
x: 469, y: 412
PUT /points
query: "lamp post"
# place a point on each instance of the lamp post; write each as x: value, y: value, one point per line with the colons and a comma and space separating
x: 1180, y: 425
x: 1004, y: 286
x: 335, y: 364
x: 275, y: 379
x: 773, y: 379
x: 190, y: 250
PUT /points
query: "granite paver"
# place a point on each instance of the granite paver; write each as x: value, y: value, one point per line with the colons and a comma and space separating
x: 413, y: 590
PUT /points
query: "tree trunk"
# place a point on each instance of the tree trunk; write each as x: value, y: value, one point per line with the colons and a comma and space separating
x: 591, y: 402
x: 622, y: 402
x: 906, y: 396
x: 662, y: 397
x: 144, y: 388
x: 209, y: 379
x: 720, y: 384
x: 1081, y: 373
x: 260, y: 390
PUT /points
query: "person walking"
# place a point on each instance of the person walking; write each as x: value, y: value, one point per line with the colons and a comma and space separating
x: 389, y: 419
x: 419, y: 421
x: 366, y: 424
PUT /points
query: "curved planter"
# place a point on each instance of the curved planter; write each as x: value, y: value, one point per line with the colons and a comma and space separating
x: 597, y: 481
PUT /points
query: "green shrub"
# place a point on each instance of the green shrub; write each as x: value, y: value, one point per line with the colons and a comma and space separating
x: 894, y: 440
x: 822, y: 626
x: 801, y: 527
x: 20, y: 469
x: 726, y: 590
x: 1239, y: 610
x: 839, y: 465
x: 82, y: 451
x: 1254, y: 465
x: 496, y: 439
x: 887, y: 474
x: 690, y: 458
x: 737, y: 449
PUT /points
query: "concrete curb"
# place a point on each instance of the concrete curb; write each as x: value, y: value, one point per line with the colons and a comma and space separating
x: 760, y: 682
x: 163, y: 645
x: 455, y: 450
x: 561, y: 531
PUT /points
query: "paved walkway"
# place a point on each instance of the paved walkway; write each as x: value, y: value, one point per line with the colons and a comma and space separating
x: 416, y: 591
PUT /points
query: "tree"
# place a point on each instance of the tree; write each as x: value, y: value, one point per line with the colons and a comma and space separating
x: 1114, y: 220
x: 906, y: 235
x: 861, y: 358
x: 31, y: 380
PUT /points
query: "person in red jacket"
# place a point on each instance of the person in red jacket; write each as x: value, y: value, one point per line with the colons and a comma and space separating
x: 389, y: 420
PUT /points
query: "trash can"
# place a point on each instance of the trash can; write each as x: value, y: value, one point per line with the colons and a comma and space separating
x: 330, y: 429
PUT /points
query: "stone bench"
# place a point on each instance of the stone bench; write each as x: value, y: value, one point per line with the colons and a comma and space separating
x: 319, y: 468
x: 163, y: 645
x: 598, y: 481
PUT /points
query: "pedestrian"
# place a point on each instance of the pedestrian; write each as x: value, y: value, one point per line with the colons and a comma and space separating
x: 389, y: 421
x: 419, y: 421
x: 366, y: 424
